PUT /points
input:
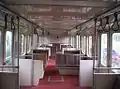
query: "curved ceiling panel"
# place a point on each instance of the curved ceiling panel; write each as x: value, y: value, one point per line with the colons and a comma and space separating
x: 58, y: 17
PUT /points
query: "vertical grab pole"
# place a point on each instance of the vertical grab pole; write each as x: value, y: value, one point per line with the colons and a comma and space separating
x: 18, y: 22
x: 80, y: 60
x: 12, y: 28
x: 80, y: 40
x: 32, y: 69
x: 95, y: 20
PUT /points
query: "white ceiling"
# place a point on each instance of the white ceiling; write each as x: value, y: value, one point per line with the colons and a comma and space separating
x: 59, y: 16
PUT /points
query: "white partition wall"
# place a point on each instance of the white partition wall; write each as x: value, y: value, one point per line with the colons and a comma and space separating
x: 86, y: 73
x: 25, y: 72
x: 30, y: 73
x: 38, y: 71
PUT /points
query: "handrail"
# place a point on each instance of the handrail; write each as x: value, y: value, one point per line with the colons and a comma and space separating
x: 98, y: 15
x: 19, y: 15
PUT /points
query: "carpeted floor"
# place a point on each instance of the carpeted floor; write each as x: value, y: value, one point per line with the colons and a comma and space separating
x: 70, y: 82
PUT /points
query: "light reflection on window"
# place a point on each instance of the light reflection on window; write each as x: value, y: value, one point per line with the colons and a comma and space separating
x: 8, y: 46
x: 77, y: 41
x: 104, y: 49
x: 22, y: 44
x: 90, y: 45
x: 116, y: 50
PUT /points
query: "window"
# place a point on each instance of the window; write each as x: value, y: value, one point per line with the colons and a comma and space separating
x: 116, y: 50
x: 72, y: 41
x: 25, y: 42
x: 22, y: 44
x: 28, y: 43
x: 90, y: 45
x: 104, y: 49
x: 8, y: 42
x: 87, y: 45
x: 83, y: 44
x: 77, y: 41
x: 1, y: 47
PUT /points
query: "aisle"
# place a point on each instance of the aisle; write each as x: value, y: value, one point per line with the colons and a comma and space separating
x: 53, y: 80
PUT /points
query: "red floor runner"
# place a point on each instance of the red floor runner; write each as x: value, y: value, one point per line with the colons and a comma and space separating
x: 70, y: 82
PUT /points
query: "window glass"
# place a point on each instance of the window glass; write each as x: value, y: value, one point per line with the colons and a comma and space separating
x: 31, y: 41
x: 77, y: 42
x: 0, y: 37
x: 8, y: 47
x: 82, y: 42
x: 0, y: 47
x: 40, y: 40
x: 28, y: 43
x: 87, y: 45
x: 84, y: 46
x: 71, y: 40
x: 22, y: 44
x: 104, y: 49
x: 90, y: 45
x: 116, y: 50
x: 25, y: 42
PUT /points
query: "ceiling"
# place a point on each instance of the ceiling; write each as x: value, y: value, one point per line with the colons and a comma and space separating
x: 59, y: 16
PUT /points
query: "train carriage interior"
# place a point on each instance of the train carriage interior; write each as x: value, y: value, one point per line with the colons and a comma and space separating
x: 59, y: 44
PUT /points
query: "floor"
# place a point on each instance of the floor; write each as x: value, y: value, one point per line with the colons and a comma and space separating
x: 53, y: 80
